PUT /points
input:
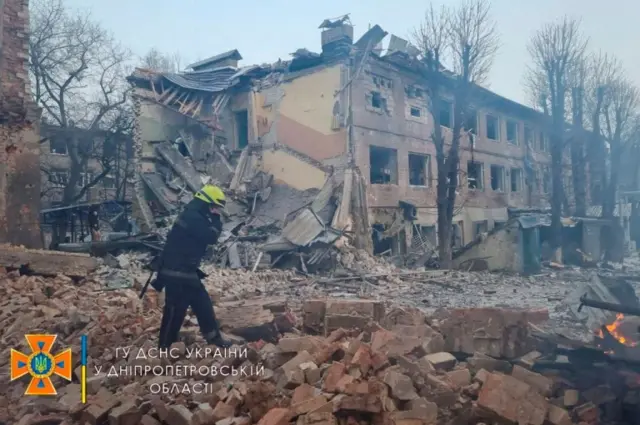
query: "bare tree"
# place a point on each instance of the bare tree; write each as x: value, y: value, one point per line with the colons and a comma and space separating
x: 578, y: 80
x: 78, y: 72
x: 603, y: 71
x: 556, y: 50
x: 466, y: 38
x: 619, y: 108
x: 155, y: 60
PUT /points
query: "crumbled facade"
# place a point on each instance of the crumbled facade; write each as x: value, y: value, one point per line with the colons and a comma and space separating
x: 353, y: 116
x: 19, y: 132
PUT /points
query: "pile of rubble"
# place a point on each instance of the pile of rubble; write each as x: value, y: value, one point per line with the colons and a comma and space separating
x: 341, y: 362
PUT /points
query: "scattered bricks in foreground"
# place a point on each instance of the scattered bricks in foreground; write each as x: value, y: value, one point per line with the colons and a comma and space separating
x: 126, y: 414
x: 441, y: 361
x: 179, y: 415
x: 543, y: 384
x: 512, y: 400
x: 276, y: 416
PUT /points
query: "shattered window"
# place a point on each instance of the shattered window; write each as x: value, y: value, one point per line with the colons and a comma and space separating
x: 242, y: 128
x: 58, y: 178
x: 474, y: 175
x: 471, y: 121
x: 480, y: 227
x: 546, y: 180
x: 383, y: 163
x: 109, y: 181
x: 497, y: 178
x: 528, y: 136
x: 446, y: 113
x: 377, y: 101
x: 419, y: 169
x: 58, y: 146
x: 512, y: 132
x: 493, y: 128
x: 85, y: 179
x: 543, y: 142
x: 516, y: 179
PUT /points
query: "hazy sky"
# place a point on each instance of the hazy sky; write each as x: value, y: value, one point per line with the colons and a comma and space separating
x: 264, y: 31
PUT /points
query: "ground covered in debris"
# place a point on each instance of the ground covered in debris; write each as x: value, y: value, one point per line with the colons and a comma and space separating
x: 359, y: 275
x: 335, y: 362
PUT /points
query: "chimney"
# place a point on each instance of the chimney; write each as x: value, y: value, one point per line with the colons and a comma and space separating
x: 336, y: 33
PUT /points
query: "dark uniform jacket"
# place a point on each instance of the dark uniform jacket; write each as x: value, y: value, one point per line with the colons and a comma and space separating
x: 187, y: 241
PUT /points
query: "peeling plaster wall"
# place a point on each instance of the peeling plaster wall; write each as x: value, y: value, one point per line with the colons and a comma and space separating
x: 19, y: 132
x: 302, y: 113
x: 288, y: 169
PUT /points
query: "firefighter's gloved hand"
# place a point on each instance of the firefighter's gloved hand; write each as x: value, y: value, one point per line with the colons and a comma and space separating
x: 201, y: 274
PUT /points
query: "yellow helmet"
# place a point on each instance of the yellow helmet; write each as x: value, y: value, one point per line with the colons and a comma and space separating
x: 211, y: 195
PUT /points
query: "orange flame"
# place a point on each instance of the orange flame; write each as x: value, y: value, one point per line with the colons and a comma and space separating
x: 614, y: 330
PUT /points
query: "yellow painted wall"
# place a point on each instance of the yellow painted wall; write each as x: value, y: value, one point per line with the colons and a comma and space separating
x: 309, y: 99
x: 303, y: 116
x: 292, y: 171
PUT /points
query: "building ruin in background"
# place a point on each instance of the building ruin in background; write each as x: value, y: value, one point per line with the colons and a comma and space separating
x: 19, y: 132
x: 352, y: 121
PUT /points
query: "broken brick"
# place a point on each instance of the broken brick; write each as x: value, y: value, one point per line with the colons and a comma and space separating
x: 425, y: 408
x: 401, y: 386
x: 543, y: 384
x: 441, y: 361
x: 203, y: 415
x: 302, y: 393
x: 294, y: 363
x: 126, y: 414
x: 512, y: 400
x: 558, y: 416
x: 332, y: 377
x: 223, y: 410
x: 298, y: 344
x: 313, y: 316
x: 149, y: 420
x: 459, y: 377
x: 276, y: 416
x: 360, y: 403
x: 570, y: 397
x: 179, y: 415
x: 362, y: 359
x: 318, y: 418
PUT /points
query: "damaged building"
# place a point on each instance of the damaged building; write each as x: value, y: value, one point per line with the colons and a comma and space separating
x: 19, y: 132
x: 345, y: 132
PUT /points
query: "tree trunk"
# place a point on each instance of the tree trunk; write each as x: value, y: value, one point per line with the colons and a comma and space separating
x: 557, y: 190
x: 578, y: 166
x: 444, y: 224
x: 597, y: 155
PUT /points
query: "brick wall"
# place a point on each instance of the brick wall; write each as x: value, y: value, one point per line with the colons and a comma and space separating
x: 19, y: 132
x: 400, y: 120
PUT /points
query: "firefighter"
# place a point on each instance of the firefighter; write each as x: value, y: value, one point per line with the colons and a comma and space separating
x: 197, y: 227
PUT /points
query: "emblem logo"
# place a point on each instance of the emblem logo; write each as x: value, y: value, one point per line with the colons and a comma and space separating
x: 41, y: 364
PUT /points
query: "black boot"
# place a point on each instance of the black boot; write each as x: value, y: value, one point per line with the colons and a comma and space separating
x: 216, y: 338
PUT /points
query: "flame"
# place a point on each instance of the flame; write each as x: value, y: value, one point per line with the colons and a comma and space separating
x: 613, y: 329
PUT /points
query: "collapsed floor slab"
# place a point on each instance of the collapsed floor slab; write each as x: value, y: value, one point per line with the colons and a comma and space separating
x: 48, y: 263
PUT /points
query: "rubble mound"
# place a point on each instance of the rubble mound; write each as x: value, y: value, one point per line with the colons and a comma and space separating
x: 363, y: 365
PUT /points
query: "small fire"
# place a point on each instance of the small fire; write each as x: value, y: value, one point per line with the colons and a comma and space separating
x: 614, y: 330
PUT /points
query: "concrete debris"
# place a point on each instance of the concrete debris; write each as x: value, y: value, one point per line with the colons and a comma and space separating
x: 352, y: 361
x: 48, y: 263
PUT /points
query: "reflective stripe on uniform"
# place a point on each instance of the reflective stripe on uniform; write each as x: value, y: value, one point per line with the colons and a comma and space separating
x: 181, y: 275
